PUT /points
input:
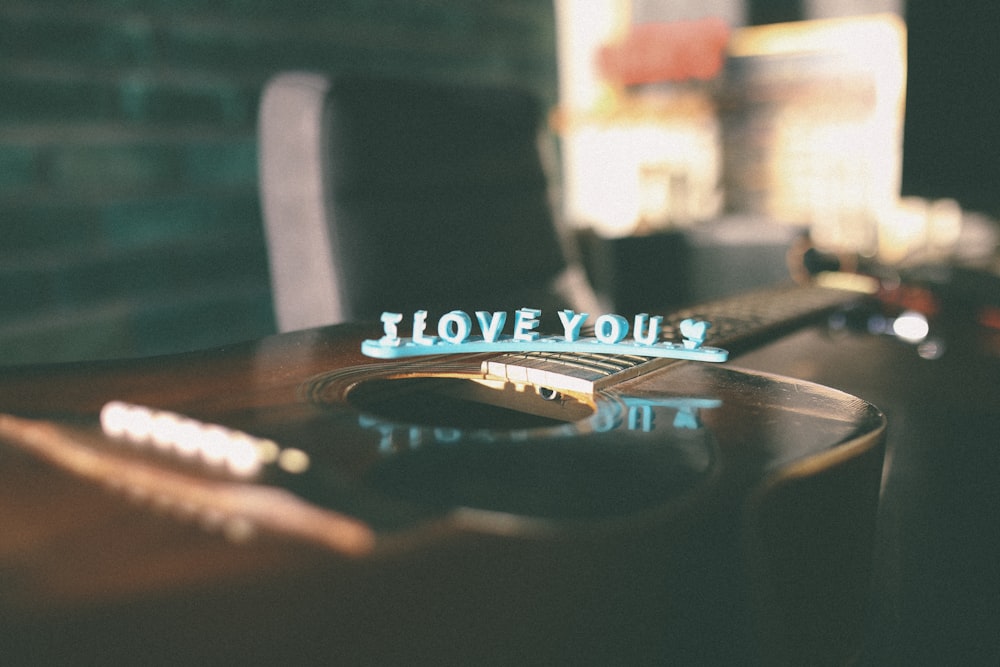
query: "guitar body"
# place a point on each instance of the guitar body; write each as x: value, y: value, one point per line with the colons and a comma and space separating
x: 694, y: 513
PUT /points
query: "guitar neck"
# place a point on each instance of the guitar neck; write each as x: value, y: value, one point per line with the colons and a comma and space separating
x: 742, y: 322
x: 738, y: 323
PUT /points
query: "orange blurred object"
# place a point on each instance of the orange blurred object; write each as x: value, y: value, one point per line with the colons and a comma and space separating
x: 675, y: 51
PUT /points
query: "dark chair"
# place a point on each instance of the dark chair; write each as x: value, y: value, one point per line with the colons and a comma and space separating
x: 382, y: 194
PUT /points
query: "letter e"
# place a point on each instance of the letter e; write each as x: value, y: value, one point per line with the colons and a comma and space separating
x: 525, y: 321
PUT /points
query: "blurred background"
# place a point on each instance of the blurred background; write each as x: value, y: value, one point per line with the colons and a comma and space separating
x: 129, y: 211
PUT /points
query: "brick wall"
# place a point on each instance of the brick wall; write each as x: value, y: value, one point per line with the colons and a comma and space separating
x: 129, y: 214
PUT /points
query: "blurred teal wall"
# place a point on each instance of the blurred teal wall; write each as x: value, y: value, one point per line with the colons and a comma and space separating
x: 129, y: 214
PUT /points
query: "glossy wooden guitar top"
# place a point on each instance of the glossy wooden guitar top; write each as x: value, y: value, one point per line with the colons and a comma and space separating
x: 441, y: 517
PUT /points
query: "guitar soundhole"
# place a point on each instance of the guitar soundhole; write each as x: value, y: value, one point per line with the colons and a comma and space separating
x: 464, y: 404
x: 522, y: 451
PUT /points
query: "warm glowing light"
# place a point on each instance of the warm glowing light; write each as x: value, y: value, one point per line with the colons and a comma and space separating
x: 642, y: 169
x: 214, y: 444
x: 186, y: 434
x: 119, y: 420
x: 809, y: 124
x: 293, y: 460
x: 920, y: 229
x: 267, y: 450
x: 113, y: 419
x: 239, y: 453
x: 911, y: 327
x: 629, y: 168
x: 827, y: 100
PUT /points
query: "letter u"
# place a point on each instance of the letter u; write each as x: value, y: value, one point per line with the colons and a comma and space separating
x: 646, y: 330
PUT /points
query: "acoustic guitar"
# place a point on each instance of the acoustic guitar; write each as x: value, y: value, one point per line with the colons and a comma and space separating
x: 292, y: 501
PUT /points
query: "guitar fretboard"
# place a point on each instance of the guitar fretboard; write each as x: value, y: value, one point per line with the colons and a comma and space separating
x: 737, y: 323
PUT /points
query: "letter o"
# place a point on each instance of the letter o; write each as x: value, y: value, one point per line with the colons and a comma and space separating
x: 610, y: 329
x: 455, y: 327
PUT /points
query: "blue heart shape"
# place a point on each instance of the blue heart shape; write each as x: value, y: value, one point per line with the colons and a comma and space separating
x: 694, y: 331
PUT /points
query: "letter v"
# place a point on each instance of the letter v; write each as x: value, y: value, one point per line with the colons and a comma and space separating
x: 491, y: 326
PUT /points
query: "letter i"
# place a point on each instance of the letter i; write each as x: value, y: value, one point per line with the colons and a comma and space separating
x: 389, y: 328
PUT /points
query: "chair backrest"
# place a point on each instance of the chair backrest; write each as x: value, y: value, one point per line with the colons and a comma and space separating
x: 382, y: 194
